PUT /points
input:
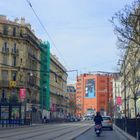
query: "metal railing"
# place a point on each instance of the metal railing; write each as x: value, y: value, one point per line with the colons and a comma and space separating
x: 6, y: 123
x: 131, y: 126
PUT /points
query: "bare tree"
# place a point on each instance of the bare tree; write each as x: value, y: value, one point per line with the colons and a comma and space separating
x: 126, y: 24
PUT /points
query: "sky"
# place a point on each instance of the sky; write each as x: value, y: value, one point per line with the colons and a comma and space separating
x: 80, y: 30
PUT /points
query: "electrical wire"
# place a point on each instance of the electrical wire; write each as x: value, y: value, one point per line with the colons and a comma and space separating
x: 35, y: 70
x: 28, y: 69
x: 29, y: 3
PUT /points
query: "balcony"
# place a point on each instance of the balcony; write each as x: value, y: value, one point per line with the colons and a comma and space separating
x: 26, y: 36
x: 15, y: 51
x: 34, y: 57
x: 5, y: 50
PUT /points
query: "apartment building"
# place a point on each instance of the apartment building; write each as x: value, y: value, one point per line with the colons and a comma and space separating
x: 117, y: 96
x: 58, y: 88
x: 19, y: 62
x: 71, y: 94
x: 130, y: 83
x: 94, y: 93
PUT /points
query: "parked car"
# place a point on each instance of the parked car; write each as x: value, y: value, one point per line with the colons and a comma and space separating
x: 107, y: 122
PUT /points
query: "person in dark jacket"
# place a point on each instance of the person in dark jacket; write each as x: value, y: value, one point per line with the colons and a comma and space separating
x: 98, y: 119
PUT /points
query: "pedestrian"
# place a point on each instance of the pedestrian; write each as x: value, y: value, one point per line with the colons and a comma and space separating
x: 138, y: 115
x: 45, y: 119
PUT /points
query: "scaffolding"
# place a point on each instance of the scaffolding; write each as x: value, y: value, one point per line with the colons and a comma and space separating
x: 45, y: 76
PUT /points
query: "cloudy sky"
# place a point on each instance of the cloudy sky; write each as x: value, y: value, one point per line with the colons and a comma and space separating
x: 80, y: 30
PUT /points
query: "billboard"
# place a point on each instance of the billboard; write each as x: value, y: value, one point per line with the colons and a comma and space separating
x: 22, y: 94
x: 90, y: 88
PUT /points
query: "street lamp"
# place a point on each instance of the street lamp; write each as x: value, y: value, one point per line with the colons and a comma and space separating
x: 124, y: 83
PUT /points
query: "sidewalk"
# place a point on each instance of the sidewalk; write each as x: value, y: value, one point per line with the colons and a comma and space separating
x: 127, y: 136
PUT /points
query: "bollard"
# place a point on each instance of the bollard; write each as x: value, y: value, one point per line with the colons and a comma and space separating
x: 6, y: 121
x: 138, y: 135
x: 2, y: 123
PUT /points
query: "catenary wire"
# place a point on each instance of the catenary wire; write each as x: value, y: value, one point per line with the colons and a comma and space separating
x: 29, y: 3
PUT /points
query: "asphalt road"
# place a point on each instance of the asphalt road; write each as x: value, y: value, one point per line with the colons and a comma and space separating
x: 105, y: 135
x: 63, y: 131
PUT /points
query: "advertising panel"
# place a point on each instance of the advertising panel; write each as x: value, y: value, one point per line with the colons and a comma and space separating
x: 90, y: 88
x: 4, y: 112
x: 22, y: 94
x: 119, y: 100
x: 15, y: 112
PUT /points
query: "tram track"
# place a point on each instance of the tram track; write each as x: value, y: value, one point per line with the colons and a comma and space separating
x: 33, y: 131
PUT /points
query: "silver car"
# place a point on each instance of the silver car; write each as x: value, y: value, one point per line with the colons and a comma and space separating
x: 107, y: 122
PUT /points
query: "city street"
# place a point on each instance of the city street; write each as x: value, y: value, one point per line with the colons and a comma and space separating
x: 64, y: 131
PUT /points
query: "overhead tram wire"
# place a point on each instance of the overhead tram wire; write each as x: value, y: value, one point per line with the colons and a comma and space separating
x: 30, y: 5
x: 33, y: 70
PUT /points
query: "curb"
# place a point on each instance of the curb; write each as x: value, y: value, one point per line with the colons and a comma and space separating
x: 127, y: 136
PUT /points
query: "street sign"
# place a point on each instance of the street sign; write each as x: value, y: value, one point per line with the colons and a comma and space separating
x: 12, y: 84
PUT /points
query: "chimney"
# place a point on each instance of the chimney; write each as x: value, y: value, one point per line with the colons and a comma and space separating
x: 55, y: 57
x: 3, y: 17
x: 28, y: 25
x: 33, y: 31
x: 22, y: 21
x: 16, y: 20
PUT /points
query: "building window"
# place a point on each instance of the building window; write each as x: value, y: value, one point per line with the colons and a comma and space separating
x: 14, y: 61
x: 79, y: 88
x: 5, y: 30
x: 4, y: 75
x: 102, y: 81
x: 102, y: 102
x: 14, y: 31
x: 5, y: 45
x: 102, y: 95
x: 102, y: 88
x: 15, y: 46
x: 14, y: 75
x: 4, y: 48
x: 5, y: 59
x: 79, y: 84
x: 21, y: 33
